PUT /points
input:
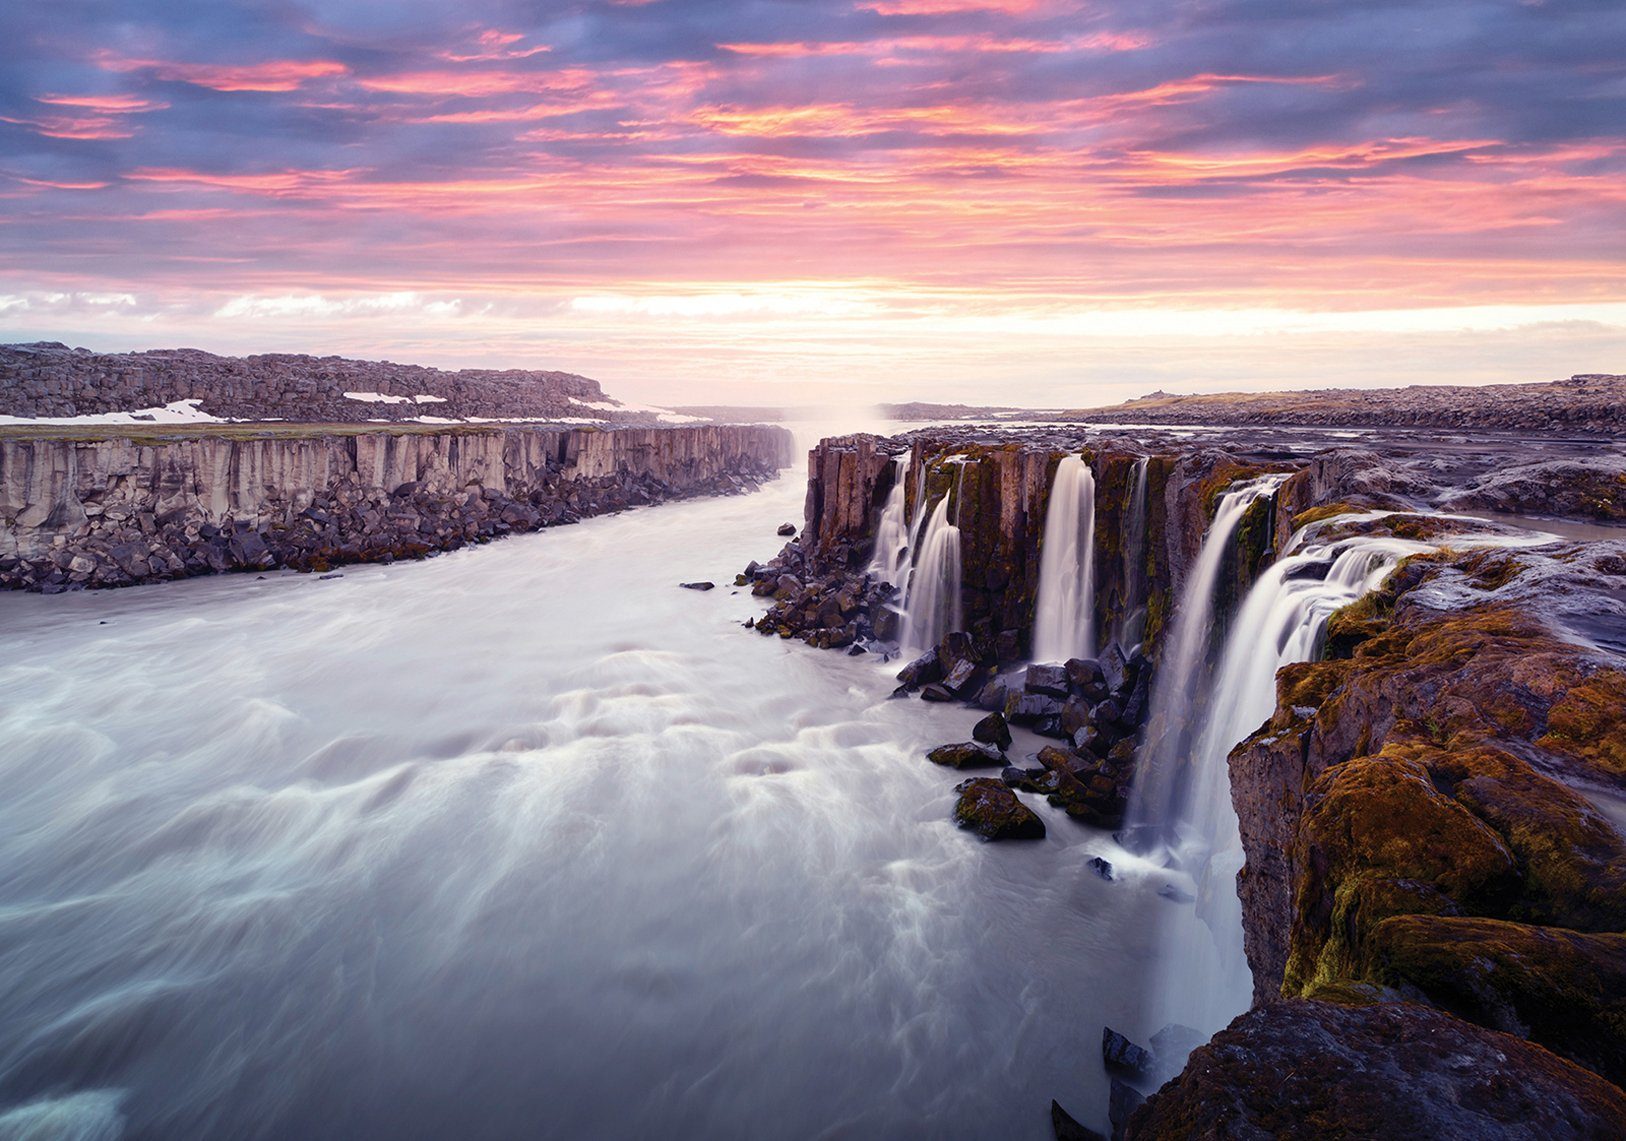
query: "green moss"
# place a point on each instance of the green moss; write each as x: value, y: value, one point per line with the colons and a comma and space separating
x: 1589, y: 722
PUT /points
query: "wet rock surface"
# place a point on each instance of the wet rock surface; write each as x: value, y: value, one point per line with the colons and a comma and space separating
x: 1420, y: 817
x: 1305, y: 1071
x: 994, y: 812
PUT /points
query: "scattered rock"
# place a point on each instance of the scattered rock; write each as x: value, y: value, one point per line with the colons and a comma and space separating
x: 1066, y: 1129
x: 969, y: 755
x: 1122, y: 1055
x: 786, y: 529
x: 993, y: 730
x: 698, y: 585
x: 993, y: 812
x: 1048, y: 680
x: 1102, y: 868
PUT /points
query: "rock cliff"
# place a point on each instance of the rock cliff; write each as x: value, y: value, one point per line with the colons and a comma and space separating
x: 121, y: 509
x: 1434, y: 895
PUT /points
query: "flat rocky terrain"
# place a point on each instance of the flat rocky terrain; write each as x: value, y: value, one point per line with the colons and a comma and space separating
x: 48, y: 379
x: 1593, y: 404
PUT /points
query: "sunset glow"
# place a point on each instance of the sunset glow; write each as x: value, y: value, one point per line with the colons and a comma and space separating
x: 1020, y: 200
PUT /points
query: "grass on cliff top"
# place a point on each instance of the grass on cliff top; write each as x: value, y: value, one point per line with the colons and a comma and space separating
x: 258, y: 430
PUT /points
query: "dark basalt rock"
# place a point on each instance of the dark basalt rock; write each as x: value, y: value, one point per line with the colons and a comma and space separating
x: 1031, y: 708
x: 1066, y: 1129
x: 968, y: 755
x: 922, y: 671
x: 1051, y: 681
x: 993, y: 730
x: 938, y: 693
x: 698, y: 585
x: 1304, y: 1071
x: 786, y: 529
x: 1120, y: 1054
x: 1102, y: 868
x: 1114, y: 667
x: 993, y: 812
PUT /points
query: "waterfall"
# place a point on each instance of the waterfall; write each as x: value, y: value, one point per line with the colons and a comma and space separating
x: 892, y: 532
x: 1064, y: 619
x: 1161, y: 794
x: 933, y: 606
x: 1132, y: 619
x: 1204, y: 979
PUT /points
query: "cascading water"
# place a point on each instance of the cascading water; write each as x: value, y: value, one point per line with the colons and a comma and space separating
x: 1161, y: 795
x: 1064, y: 618
x: 1132, y: 621
x: 891, y: 559
x: 933, y: 605
x: 1204, y: 978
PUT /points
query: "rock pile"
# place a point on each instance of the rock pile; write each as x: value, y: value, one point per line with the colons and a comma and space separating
x: 1098, y: 706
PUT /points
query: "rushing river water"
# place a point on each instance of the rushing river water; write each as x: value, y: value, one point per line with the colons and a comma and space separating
x: 521, y: 841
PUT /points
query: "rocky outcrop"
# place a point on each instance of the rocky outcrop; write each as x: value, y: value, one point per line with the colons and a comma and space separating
x: 1430, y: 855
x: 1305, y: 1071
x: 1417, y: 816
x: 48, y: 379
x: 120, y: 510
x: 1592, y: 488
x: 1000, y: 488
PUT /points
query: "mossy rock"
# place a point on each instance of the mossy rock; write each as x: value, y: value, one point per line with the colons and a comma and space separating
x: 1563, y: 989
x: 994, y: 812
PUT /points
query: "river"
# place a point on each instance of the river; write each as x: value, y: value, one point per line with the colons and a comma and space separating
x: 522, y: 840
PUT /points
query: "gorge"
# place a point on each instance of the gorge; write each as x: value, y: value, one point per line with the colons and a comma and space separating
x: 1317, y: 752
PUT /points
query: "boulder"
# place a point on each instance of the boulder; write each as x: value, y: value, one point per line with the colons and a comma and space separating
x: 1118, y: 1053
x: 922, y: 671
x: 967, y: 755
x: 1048, y: 680
x: 993, y: 730
x: 786, y: 529
x: 993, y: 812
x: 698, y: 585
x: 1306, y: 1070
x: 1066, y: 1129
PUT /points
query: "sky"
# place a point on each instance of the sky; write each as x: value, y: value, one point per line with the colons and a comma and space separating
x: 1041, y: 202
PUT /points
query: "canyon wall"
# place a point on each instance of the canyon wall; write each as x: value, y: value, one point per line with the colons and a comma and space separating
x: 118, y: 509
x: 1001, y: 491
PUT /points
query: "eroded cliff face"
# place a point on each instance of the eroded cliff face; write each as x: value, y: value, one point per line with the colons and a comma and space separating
x: 1000, y: 495
x: 1425, y: 812
x: 114, y: 511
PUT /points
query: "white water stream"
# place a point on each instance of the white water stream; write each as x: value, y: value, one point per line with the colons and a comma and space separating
x: 521, y: 841
x: 1064, y: 616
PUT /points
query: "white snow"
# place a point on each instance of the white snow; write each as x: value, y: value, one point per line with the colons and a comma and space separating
x: 375, y: 398
x: 664, y: 415
x: 175, y: 412
x: 422, y: 399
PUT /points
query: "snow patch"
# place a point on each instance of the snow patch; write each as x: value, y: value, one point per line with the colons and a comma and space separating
x: 175, y: 412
